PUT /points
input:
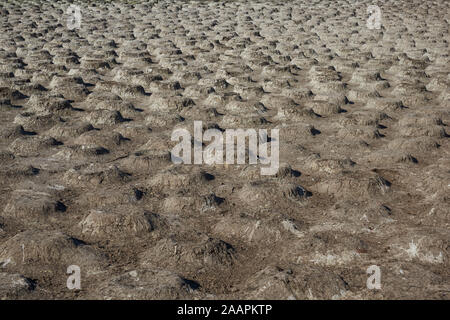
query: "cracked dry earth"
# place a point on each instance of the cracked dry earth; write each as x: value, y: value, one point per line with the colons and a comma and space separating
x: 86, y: 176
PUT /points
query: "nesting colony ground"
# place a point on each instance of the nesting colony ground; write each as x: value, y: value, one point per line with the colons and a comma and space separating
x: 86, y: 178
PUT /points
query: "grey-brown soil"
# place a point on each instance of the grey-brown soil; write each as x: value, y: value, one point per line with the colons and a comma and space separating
x: 86, y: 177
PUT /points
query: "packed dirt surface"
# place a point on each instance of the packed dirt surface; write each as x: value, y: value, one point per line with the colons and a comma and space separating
x: 87, y: 180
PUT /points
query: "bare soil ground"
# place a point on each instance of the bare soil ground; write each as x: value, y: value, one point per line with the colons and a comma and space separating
x: 86, y: 177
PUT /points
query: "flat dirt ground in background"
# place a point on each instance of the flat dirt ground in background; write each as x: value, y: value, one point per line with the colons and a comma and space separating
x: 86, y: 178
